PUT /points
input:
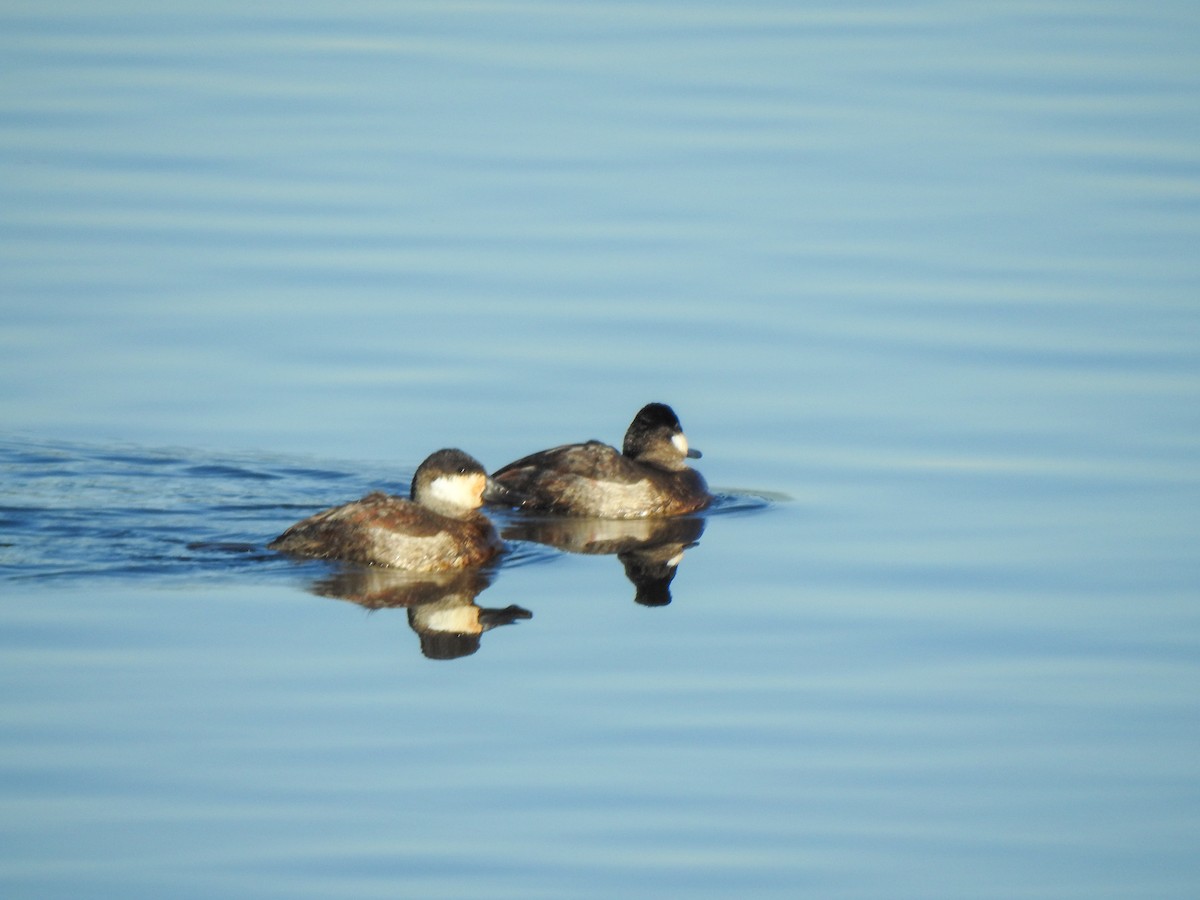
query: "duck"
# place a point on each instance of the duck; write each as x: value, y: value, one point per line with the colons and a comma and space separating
x: 648, y: 477
x: 438, y: 527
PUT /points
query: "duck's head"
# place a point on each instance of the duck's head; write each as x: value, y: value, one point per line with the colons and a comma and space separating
x: 655, y: 436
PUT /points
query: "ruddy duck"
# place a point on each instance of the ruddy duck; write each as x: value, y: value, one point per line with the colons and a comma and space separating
x: 648, y: 477
x: 439, y: 528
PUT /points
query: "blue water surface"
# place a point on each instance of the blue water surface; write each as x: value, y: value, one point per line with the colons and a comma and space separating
x: 920, y: 280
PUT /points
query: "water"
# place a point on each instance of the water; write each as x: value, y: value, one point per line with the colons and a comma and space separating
x: 920, y: 281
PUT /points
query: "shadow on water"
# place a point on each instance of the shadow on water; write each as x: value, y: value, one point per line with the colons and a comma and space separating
x: 441, y: 606
x: 650, y: 550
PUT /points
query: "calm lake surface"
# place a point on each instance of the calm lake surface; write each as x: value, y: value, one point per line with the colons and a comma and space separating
x: 921, y: 281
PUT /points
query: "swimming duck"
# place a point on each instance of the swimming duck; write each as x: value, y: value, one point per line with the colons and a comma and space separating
x: 438, y: 528
x: 649, y: 476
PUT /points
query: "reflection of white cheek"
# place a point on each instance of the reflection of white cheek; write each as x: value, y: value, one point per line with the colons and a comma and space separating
x: 458, y: 620
x: 680, y: 443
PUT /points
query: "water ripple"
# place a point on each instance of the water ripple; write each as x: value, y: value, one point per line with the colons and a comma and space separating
x: 75, y: 510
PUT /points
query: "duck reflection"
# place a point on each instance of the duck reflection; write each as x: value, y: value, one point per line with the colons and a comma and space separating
x: 649, y: 549
x: 441, y: 606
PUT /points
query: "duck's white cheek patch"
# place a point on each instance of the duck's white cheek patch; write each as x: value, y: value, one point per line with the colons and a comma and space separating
x: 456, y: 490
x: 680, y: 443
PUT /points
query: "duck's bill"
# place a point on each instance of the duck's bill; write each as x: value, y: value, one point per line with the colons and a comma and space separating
x: 497, y: 492
x: 693, y: 453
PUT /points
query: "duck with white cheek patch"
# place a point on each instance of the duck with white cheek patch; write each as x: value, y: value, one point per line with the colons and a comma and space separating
x: 648, y: 477
x: 438, y: 528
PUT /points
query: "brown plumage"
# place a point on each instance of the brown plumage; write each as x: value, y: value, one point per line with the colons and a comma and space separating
x: 648, y: 477
x: 439, y: 529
